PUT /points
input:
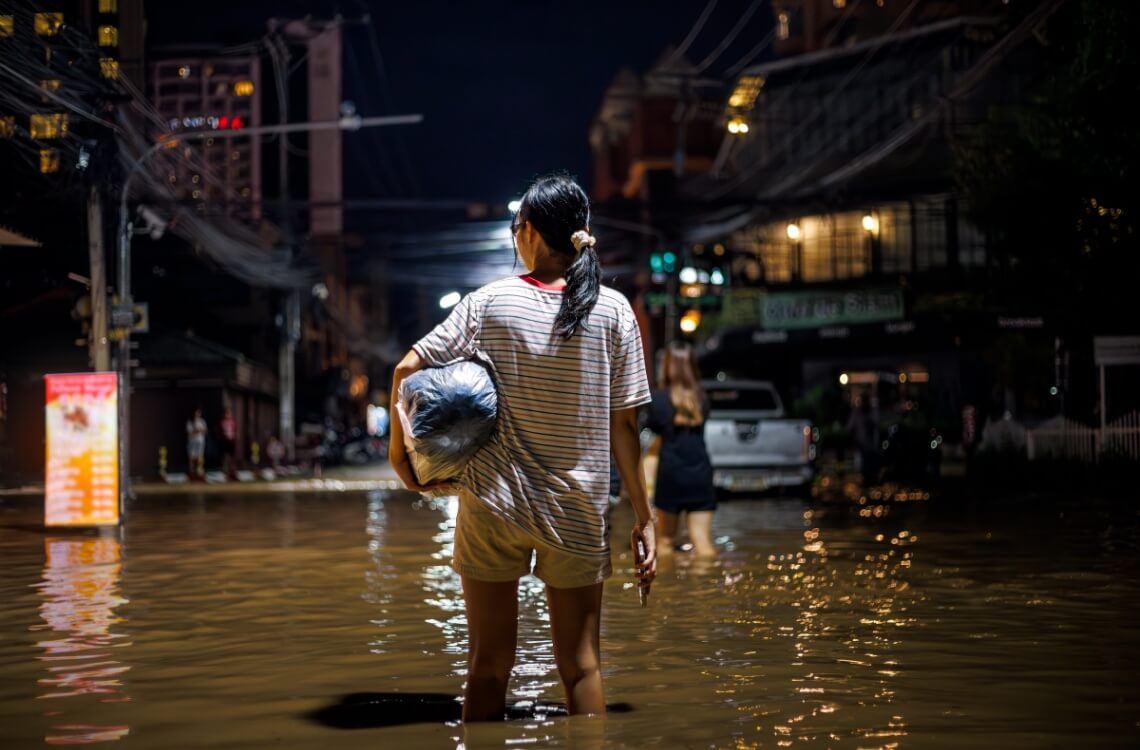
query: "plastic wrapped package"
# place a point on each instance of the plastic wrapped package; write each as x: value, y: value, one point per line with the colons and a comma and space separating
x: 448, y: 413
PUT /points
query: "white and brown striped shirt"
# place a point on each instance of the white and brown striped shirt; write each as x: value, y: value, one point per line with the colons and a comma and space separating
x: 547, y: 469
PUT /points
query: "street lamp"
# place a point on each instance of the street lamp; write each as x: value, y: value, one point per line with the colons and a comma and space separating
x: 451, y: 299
x: 514, y: 206
x: 871, y: 227
x: 738, y: 126
x: 348, y: 121
x: 794, y: 234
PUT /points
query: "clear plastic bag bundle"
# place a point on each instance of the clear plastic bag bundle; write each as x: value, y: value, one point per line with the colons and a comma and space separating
x: 448, y: 413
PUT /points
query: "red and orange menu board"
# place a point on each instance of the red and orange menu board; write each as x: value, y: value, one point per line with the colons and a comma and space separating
x: 82, y: 483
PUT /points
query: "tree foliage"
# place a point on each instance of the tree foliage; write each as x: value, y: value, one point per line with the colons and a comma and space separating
x: 1053, y: 180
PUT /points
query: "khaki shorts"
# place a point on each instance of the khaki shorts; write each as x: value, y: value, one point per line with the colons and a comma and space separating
x: 489, y: 548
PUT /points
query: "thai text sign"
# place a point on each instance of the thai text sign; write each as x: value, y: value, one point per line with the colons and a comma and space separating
x: 82, y: 481
x: 793, y: 310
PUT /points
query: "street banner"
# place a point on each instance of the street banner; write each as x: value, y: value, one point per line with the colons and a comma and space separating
x: 82, y: 480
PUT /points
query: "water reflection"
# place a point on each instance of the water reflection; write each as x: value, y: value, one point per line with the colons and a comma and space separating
x: 81, y: 651
x: 535, y: 688
x: 816, y: 627
x: 534, y: 673
x: 851, y: 604
x: 442, y: 586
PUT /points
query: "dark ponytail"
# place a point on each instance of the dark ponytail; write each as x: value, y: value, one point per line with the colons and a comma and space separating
x: 557, y: 208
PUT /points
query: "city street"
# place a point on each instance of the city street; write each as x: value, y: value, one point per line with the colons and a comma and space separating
x: 730, y: 374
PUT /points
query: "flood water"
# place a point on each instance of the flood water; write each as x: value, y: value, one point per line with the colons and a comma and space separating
x: 243, y: 621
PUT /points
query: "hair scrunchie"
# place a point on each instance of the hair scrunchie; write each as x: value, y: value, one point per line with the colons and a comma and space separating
x: 582, y: 239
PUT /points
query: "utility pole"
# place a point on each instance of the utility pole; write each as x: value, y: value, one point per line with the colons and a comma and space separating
x: 291, y: 299
x: 100, y: 356
x: 322, y: 51
x: 123, y: 289
x: 671, y: 292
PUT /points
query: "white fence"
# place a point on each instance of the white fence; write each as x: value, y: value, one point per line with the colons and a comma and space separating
x: 1061, y: 437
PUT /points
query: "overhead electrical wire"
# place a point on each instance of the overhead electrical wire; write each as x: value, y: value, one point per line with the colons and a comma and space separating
x: 694, y: 31
x: 730, y: 37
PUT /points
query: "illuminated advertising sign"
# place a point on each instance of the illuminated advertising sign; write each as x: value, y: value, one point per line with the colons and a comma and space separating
x: 82, y: 481
x: 799, y: 310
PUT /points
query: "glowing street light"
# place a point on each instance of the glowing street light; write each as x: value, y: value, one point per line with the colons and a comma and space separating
x: 793, y: 231
x: 737, y: 126
x: 870, y: 224
x: 514, y: 206
x: 451, y: 299
x: 690, y: 320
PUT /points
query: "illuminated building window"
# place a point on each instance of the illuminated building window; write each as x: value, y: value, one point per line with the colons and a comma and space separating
x: 49, y: 126
x: 243, y: 88
x: 108, y: 36
x: 48, y: 24
x: 49, y: 160
x: 108, y: 6
x: 51, y: 84
x: 746, y: 91
x: 839, y: 3
x: 7, y: 25
x: 109, y: 67
x: 783, y: 25
x: 7, y: 126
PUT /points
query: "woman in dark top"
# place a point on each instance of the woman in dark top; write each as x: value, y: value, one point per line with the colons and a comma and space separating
x: 684, y: 472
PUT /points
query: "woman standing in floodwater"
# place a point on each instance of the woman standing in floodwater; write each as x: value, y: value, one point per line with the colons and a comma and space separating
x: 567, y: 360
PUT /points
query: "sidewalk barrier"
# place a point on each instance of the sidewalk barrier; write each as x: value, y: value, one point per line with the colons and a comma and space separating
x: 1063, y: 438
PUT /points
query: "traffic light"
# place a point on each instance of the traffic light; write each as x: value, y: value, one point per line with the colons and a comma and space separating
x: 663, y: 262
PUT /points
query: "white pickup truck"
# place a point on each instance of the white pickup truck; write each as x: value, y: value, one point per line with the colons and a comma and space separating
x: 752, y: 445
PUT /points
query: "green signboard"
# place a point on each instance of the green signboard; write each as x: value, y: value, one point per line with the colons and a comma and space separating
x: 785, y: 311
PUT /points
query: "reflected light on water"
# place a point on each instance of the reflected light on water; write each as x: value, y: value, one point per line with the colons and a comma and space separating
x: 844, y: 609
x: 534, y: 673
x: 81, y: 654
x: 815, y: 627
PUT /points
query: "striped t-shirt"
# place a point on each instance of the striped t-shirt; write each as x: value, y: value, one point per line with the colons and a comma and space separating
x: 547, y: 468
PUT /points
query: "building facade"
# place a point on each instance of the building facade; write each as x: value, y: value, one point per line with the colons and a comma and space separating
x: 831, y: 206
x: 222, y: 175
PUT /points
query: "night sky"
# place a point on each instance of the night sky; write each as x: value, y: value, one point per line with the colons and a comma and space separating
x: 508, y: 88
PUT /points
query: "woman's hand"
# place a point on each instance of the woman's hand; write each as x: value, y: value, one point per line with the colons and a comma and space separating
x: 646, y: 567
x: 398, y: 458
